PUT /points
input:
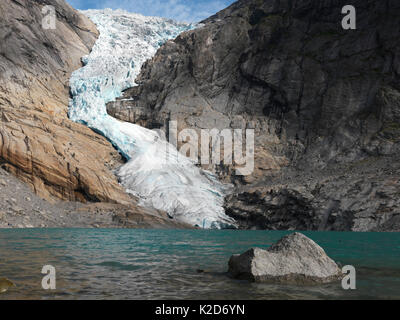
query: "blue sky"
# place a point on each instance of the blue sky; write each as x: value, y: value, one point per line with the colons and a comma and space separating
x: 181, y: 10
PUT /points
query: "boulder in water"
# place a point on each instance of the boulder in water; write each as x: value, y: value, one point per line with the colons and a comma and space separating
x: 293, y: 259
x: 5, y: 284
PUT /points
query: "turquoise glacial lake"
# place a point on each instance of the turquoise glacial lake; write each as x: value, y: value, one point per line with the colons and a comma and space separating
x: 163, y: 264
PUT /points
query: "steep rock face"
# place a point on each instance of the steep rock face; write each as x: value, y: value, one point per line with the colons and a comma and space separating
x: 322, y: 100
x: 38, y: 143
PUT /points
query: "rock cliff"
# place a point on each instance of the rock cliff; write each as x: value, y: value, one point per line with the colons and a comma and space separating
x: 324, y: 103
x: 58, y: 158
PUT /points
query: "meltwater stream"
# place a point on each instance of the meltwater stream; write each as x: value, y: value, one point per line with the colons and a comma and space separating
x: 159, y: 175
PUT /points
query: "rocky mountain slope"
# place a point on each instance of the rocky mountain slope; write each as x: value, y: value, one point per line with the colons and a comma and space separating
x: 324, y: 103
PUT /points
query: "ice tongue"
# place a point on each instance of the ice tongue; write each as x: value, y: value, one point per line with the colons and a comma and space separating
x: 160, y: 176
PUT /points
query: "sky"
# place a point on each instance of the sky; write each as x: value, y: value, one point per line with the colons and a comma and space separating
x: 180, y: 10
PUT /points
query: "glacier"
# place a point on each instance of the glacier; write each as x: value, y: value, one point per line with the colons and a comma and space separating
x: 156, y: 172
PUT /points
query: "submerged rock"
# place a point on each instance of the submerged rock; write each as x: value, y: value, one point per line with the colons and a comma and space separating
x: 293, y: 259
x: 5, y: 284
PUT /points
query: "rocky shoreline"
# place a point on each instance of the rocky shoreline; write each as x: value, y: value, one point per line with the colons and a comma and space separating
x: 286, y: 205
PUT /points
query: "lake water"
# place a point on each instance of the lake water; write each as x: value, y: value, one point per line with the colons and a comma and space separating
x: 163, y: 264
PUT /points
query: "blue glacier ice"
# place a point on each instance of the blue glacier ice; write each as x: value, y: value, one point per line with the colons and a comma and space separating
x: 156, y: 173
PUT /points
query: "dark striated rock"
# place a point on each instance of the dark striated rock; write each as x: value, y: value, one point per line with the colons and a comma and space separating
x: 293, y: 259
x: 357, y: 196
x: 324, y: 103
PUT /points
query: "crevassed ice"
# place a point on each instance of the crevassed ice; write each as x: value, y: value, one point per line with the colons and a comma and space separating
x: 160, y: 176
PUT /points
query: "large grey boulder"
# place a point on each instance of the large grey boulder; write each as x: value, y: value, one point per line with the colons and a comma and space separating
x: 293, y: 259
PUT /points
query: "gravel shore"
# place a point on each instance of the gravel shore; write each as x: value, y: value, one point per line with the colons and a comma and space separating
x: 20, y: 207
